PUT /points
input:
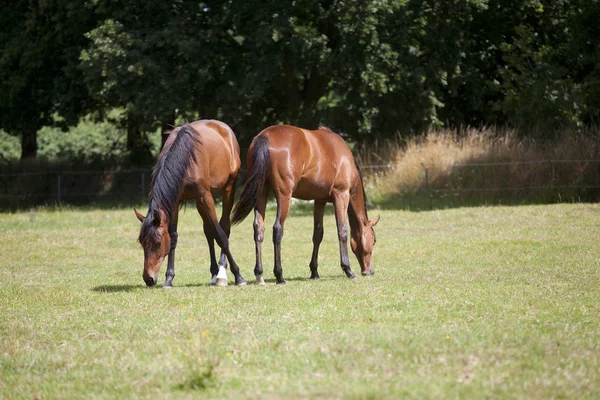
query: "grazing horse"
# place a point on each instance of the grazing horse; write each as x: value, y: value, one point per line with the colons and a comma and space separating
x: 198, y: 160
x: 309, y: 165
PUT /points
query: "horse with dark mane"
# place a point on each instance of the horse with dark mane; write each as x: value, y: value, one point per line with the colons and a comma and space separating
x: 198, y: 160
x: 309, y: 165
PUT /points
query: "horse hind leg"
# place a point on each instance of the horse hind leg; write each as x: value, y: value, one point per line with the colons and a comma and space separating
x: 317, y: 238
x: 225, y: 222
x: 216, y: 279
x: 259, y: 235
x: 283, y: 208
x: 221, y: 237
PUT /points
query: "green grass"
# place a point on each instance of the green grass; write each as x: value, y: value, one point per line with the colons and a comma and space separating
x: 486, y: 302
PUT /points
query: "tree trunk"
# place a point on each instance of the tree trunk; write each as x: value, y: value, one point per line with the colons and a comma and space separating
x: 29, y: 145
x: 137, y: 144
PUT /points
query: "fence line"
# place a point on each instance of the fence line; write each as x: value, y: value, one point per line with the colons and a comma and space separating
x: 109, y: 184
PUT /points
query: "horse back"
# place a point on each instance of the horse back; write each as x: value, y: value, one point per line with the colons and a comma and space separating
x: 217, y: 156
x: 309, y: 164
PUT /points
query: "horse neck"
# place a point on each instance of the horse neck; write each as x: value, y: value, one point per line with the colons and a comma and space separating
x: 357, y: 212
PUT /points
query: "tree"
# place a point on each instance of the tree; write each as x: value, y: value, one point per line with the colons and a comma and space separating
x: 39, y: 75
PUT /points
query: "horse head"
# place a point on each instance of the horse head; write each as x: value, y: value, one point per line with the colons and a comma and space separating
x: 156, y: 242
x: 362, y: 242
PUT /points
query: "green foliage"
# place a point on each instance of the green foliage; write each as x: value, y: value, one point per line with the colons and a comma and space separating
x: 10, y: 147
x: 39, y: 74
x: 370, y: 69
x: 88, y: 141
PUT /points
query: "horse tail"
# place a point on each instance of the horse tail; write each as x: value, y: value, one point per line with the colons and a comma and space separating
x: 256, y: 182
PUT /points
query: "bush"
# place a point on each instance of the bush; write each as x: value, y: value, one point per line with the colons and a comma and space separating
x: 89, y: 141
x: 10, y: 147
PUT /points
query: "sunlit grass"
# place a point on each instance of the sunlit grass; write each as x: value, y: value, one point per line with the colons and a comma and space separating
x: 468, y: 303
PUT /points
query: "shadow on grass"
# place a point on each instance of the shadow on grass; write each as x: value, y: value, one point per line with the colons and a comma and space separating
x: 272, y: 280
x: 117, y: 288
x: 436, y: 200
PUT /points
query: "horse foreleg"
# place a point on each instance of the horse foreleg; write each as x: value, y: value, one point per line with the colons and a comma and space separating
x: 340, y: 203
x: 283, y: 208
x: 259, y: 235
x: 170, y: 274
x: 317, y: 238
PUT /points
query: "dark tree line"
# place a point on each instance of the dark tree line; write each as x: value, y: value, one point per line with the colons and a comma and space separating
x: 367, y: 68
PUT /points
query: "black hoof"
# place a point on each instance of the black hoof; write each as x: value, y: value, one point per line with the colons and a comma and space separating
x: 281, y: 281
x: 351, y: 276
x: 315, y: 276
x: 240, y: 282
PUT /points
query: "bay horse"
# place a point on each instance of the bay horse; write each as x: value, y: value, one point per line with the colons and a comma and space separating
x: 308, y: 165
x: 198, y: 160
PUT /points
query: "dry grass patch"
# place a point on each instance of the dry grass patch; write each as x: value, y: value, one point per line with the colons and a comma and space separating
x: 449, y: 158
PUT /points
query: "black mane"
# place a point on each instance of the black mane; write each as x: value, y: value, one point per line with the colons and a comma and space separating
x: 167, y: 180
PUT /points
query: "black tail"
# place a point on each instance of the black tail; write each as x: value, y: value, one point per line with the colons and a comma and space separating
x: 256, y: 181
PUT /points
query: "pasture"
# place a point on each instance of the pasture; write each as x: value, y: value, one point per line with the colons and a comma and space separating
x: 483, y: 302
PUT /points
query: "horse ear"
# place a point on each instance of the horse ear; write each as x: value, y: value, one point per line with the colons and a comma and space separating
x: 374, y: 221
x: 139, y: 216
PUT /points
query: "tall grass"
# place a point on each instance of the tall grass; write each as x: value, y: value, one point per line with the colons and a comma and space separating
x: 398, y: 166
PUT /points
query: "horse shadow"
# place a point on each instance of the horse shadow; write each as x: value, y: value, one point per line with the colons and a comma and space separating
x: 133, y: 288
x: 117, y: 288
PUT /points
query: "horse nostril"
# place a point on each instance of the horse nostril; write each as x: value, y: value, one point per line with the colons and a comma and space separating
x: 149, y: 281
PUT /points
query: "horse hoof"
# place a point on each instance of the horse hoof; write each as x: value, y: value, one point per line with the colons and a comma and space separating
x: 281, y: 282
x: 221, y: 282
x: 260, y: 280
x: 315, y: 277
x: 167, y: 287
x: 352, y: 276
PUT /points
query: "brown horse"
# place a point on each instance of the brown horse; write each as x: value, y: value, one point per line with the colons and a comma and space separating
x: 198, y: 160
x: 309, y: 165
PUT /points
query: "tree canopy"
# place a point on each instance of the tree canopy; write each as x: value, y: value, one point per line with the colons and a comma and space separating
x: 368, y: 69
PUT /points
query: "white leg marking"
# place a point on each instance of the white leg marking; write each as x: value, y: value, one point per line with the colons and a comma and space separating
x: 221, y: 278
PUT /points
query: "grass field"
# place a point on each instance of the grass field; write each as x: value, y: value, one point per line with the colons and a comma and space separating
x: 485, y: 302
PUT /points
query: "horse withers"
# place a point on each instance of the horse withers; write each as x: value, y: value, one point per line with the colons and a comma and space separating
x: 308, y: 165
x: 198, y: 160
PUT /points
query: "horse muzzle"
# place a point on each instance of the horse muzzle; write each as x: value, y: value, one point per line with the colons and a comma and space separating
x: 368, y: 272
x: 150, y: 281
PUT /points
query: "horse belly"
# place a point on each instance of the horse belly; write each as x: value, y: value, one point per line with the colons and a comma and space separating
x: 308, y: 190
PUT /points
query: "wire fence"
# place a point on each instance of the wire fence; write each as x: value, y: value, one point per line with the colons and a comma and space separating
x: 38, y: 187
x: 501, y: 176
